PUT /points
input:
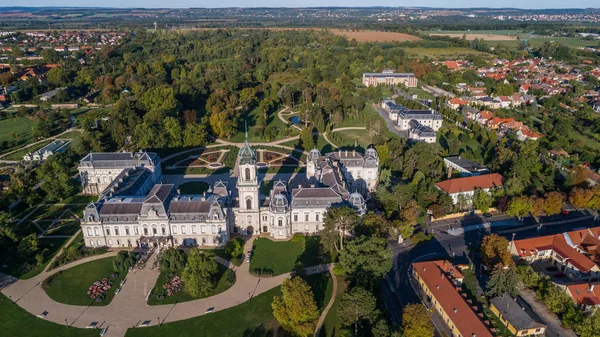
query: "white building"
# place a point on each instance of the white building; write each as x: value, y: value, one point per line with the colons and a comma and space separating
x: 127, y: 215
x: 388, y: 77
x: 464, y: 188
x: 402, y: 116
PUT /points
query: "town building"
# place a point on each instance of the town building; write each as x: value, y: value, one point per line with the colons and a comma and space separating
x: 57, y: 146
x: 134, y: 209
x: 574, y: 253
x: 439, y: 282
x: 585, y: 295
x: 388, y: 77
x: 402, y: 116
x: 517, y: 316
x: 464, y: 166
x: 463, y: 189
x: 420, y: 133
x: 98, y: 170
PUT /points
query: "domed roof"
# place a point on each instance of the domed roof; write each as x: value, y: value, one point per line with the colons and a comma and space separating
x: 279, y: 203
x: 314, y: 154
x: 357, y: 200
x: 371, y: 152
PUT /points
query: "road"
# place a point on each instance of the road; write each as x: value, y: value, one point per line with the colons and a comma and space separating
x: 390, y: 124
x: 445, y: 245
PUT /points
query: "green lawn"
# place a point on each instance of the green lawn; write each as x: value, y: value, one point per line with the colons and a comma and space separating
x: 332, y: 324
x: 284, y: 130
x: 276, y: 258
x: 71, y: 286
x: 223, y: 276
x: 236, y: 261
x: 251, y: 319
x: 348, y: 138
x: 79, y: 199
x: 18, y: 322
x: 69, y: 135
x: 421, y: 94
x: 21, y: 127
x: 482, y: 31
x: 193, y: 187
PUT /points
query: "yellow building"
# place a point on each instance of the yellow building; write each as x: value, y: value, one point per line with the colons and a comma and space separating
x: 517, y: 316
x: 440, y: 281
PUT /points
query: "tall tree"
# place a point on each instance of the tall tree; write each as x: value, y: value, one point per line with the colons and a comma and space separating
x: 553, y: 202
x: 482, y: 200
x: 580, y: 197
x: 366, y: 259
x: 503, y: 281
x: 519, y: 207
x: 494, y: 251
x: 296, y: 309
x: 338, y: 221
x: 416, y: 322
x: 356, y: 307
x: 199, y: 271
x: 411, y: 212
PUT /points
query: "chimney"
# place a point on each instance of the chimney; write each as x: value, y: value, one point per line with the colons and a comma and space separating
x: 178, y: 191
x: 346, y: 153
x: 339, y: 153
x: 353, y: 153
x: 312, y: 185
x: 299, y: 186
x: 455, y: 310
x: 437, y: 287
x: 204, y: 195
x: 592, y: 287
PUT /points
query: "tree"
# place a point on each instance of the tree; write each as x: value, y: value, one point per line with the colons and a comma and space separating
x: 494, y: 251
x: 194, y: 135
x: 28, y: 245
x: 198, y: 274
x: 174, y: 131
x: 50, y: 55
x: 503, y: 281
x: 307, y: 139
x: 338, y: 220
x: 55, y: 177
x: 411, y: 212
x: 356, y: 306
x: 6, y: 231
x: 416, y: 322
x: 123, y: 261
x: 233, y: 248
x: 553, y: 202
x: 589, y: 327
x: 580, y: 197
x: 519, y: 207
x: 172, y: 259
x: 366, y: 259
x: 537, y: 206
x: 482, y: 200
x: 296, y: 309
x: 528, y: 276
x: 58, y: 77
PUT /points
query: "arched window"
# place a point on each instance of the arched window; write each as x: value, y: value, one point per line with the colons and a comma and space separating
x: 145, y: 230
x: 163, y: 230
x: 89, y: 231
x: 127, y: 231
x: 154, y: 231
x: 96, y: 231
x: 247, y: 173
x: 116, y: 230
x: 249, y: 203
x: 174, y: 230
x: 91, y: 218
x: 107, y: 231
x: 183, y: 229
x: 280, y: 222
x: 214, y: 229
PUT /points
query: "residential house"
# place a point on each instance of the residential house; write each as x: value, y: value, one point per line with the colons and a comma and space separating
x: 455, y: 103
x: 574, y: 253
x: 526, y: 134
x: 503, y: 101
x: 463, y: 189
x: 420, y: 133
x: 464, y: 166
x: 585, y: 295
x: 439, y: 282
x: 517, y: 316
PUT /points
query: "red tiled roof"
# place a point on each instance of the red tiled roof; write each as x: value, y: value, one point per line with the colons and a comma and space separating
x: 467, y: 184
x: 584, y: 294
x: 558, y: 243
x: 443, y: 289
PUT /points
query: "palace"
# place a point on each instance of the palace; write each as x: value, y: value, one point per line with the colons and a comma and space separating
x: 135, y: 209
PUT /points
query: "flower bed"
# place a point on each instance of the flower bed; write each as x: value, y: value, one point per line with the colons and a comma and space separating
x: 99, y: 288
x: 172, y: 287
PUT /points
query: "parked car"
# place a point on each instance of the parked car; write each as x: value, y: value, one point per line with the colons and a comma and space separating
x: 565, y: 212
x: 248, y: 257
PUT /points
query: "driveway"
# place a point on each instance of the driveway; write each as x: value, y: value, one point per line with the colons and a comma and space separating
x: 129, y: 307
x: 554, y: 326
x: 390, y: 124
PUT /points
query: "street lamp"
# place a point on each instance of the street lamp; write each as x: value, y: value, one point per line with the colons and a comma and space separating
x: 66, y: 323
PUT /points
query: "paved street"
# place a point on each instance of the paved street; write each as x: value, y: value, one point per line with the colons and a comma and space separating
x: 389, y: 122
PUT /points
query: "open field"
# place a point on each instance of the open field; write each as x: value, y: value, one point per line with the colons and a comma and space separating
x: 20, y: 127
x: 482, y: 31
x: 276, y: 258
x: 452, y: 52
x: 471, y: 37
x: 374, y: 36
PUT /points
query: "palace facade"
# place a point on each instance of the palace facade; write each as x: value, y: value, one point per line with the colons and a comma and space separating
x: 135, y: 209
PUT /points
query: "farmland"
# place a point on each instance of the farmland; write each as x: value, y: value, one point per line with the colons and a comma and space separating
x: 374, y: 36
x: 470, y: 36
x: 442, y: 53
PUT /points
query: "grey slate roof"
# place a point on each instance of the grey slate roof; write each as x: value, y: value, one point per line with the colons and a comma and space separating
x: 466, y: 164
x: 119, y: 159
x: 314, y: 196
x: 517, y: 312
x: 128, y: 182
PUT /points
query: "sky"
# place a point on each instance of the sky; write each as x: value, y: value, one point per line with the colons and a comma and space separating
x: 535, y: 4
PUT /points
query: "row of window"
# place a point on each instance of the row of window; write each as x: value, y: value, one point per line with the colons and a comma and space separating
x: 115, y: 231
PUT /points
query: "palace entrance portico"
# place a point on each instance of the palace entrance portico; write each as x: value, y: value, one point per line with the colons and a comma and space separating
x: 155, y: 241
